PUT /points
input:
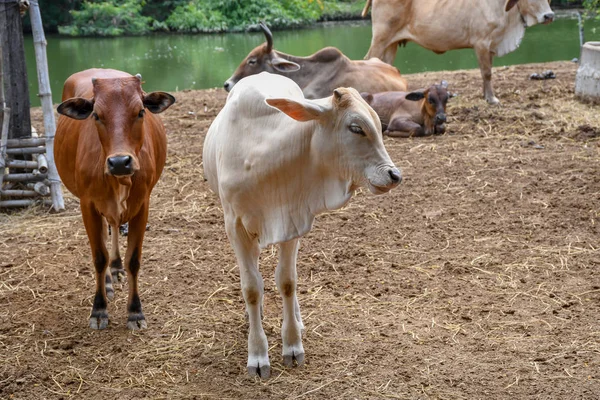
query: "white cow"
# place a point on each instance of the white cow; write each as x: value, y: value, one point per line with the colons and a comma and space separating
x: 276, y: 160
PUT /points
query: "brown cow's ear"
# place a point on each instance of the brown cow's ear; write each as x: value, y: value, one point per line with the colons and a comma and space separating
x: 415, y: 96
x: 76, y: 108
x: 368, y: 97
x: 300, y: 111
x: 158, y: 102
x: 283, y: 65
x: 510, y: 4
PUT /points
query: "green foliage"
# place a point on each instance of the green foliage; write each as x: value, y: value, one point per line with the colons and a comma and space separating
x: 108, y: 18
x: 592, y: 8
x: 137, y: 17
x: 237, y: 15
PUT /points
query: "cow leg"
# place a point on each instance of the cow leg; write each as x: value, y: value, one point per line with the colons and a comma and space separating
x: 485, y: 58
x: 404, y: 128
x: 247, y: 251
x: 116, y: 272
x: 133, y: 256
x: 116, y: 265
x: 92, y: 220
x: 390, y: 53
x: 291, y: 329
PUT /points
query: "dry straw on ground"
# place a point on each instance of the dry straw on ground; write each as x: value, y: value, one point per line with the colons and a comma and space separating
x: 477, y: 278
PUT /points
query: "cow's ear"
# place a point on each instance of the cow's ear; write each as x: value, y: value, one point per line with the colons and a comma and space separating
x: 76, y: 108
x: 510, y: 4
x: 415, y: 96
x: 300, y: 111
x: 158, y: 102
x: 283, y: 65
x: 368, y: 97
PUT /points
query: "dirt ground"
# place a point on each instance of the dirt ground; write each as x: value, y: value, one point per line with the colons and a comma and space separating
x: 476, y: 278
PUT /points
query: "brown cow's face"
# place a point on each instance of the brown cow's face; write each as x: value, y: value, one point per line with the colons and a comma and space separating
x: 118, y: 110
x: 435, y: 99
x: 533, y: 11
x: 262, y: 59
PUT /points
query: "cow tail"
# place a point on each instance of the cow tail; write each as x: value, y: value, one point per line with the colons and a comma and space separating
x: 365, y: 10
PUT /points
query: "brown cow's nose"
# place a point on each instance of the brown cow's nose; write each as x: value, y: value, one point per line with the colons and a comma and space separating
x: 440, y: 118
x: 120, y: 165
x: 395, y: 175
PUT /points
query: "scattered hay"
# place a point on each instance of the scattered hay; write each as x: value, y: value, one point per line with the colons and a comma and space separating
x: 476, y: 278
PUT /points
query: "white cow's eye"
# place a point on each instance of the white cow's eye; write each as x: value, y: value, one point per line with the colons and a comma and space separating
x: 354, y: 128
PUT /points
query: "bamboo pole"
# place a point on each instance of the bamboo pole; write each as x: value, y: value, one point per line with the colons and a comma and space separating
x: 27, y: 177
x: 22, y: 164
x: 41, y: 59
x: 25, y: 142
x: 18, y: 193
x: 42, y: 163
x: 40, y: 188
x: 26, y: 150
x: 23, y: 203
x: 5, y: 118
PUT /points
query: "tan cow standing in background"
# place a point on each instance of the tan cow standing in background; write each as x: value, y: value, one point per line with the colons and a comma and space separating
x: 491, y: 27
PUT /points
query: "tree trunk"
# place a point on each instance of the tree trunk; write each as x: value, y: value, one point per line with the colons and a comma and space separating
x: 16, y: 89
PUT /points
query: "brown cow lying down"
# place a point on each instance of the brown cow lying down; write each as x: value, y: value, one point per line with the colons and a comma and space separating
x: 418, y: 113
x: 319, y: 74
x: 490, y: 27
x: 110, y: 152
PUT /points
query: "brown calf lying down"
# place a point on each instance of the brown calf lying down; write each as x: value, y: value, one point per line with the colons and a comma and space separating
x: 417, y: 113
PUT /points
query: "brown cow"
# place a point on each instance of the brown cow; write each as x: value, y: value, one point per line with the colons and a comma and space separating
x: 418, y: 113
x: 491, y: 27
x: 110, y: 153
x: 319, y: 74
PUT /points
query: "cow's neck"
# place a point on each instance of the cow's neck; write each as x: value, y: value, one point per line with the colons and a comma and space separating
x: 334, y: 190
x: 323, y: 64
x: 116, y: 213
x: 514, y: 30
x: 426, y: 119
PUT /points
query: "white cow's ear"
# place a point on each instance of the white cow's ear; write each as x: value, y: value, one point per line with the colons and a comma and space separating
x: 283, y: 65
x: 510, y: 4
x: 300, y: 111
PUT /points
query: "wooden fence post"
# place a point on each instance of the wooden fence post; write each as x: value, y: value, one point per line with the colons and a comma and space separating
x: 45, y: 94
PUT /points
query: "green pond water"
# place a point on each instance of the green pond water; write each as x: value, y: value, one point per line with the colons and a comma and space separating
x: 177, y: 62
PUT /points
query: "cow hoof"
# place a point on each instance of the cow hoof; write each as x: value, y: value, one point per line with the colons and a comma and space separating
x: 263, y: 371
x: 293, y: 353
x: 137, y: 324
x: 118, y: 276
x: 136, y: 321
x: 110, y: 292
x: 117, y: 271
x: 99, y: 322
x: 493, y: 101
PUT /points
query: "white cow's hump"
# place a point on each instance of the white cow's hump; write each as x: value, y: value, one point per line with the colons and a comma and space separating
x: 265, y: 85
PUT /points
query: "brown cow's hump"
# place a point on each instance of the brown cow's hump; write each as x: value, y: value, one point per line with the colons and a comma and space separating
x: 327, y: 54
